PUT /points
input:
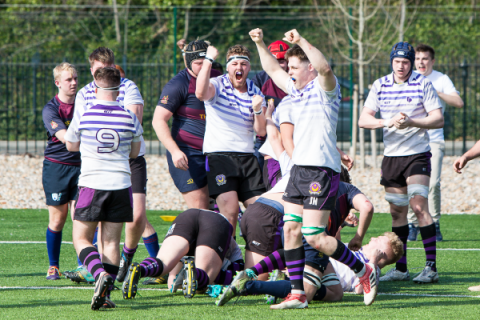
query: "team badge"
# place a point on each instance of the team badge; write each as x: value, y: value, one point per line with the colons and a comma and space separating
x: 409, y: 99
x: 164, y: 100
x: 56, y: 196
x: 221, y: 180
x: 53, y: 124
x: 315, y: 188
x: 190, y: 181
x: 170, y: 230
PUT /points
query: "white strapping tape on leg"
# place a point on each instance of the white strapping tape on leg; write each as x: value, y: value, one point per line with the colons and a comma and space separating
x: 417, y: 190
x: 311, y: 278
x: 330, y: 279
x: 398, y: 199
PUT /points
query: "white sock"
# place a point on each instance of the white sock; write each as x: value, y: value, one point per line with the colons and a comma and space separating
x: 298, y: 291
x: 362, y: 272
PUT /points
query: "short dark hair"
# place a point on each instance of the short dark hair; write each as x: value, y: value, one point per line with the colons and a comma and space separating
x: 238, y: 49
x: 425, y: 48
x: 345, y: 175
x: 298, y: 52
x: 103, y: 55
x: 109, y: 76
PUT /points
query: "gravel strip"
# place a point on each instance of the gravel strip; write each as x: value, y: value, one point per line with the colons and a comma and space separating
x: 21, y: 185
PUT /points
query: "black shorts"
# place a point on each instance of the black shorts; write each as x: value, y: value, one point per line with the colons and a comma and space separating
x: 203, y: 228
x: 232, y: 171
x: 271, y: 173
x: 102, y: 205
x: 262, y: 225
x: 59, y: 182
x: 192, y: 179
x: 313, y: 187
x: 138, y: 167
x: 396, y: 170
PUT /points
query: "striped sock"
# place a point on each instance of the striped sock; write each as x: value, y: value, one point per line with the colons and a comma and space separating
x: 91, y: 260
x: 295, y: 262
x: 430, y: 244
x: 344, y: 255
x: 129, y: 252
x: 402, y: 233
x: 151, y: 243
x: 225, y: 277
x: 275, y: 260
x: 202, y: 279
x: 151, y: 267
x: 54, y: 243
x: 113, y: 271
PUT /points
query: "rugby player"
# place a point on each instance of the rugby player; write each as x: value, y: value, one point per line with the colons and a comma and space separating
x: 195, y: 232
x: 458, y: 165
x: 424, y: 61
x: 335, y: 279
x: 233, y: 106
x: 184, y: 142
x: 308, y: 126
x: 107, y: 135
x: 61, y: 168
x: 409, y: 106
x: 130, y: 98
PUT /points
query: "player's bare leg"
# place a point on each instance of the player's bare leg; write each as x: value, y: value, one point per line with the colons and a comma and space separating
x: 251, y: 259
x: 197, y: 198
x: 228, y: 205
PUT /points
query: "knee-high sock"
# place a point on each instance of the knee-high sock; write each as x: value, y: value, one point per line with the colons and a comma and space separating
x: 54, y: 243
x: 295, y: 262
x: 279, y: 289
x: 202, y: 279
x: 151, y: 267
x: 94, y: 242
x: 345, y: 256
x: 113, y: 271
x: 225, y: 277
x: 275, y: 260
x: 129, y: 252
x: 151, y: 243
x: 402, y: 233
x: 91, y: 260
x: 430, y: 244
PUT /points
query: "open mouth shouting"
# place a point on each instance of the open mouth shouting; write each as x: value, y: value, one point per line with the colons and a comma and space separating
x: 239, y: 75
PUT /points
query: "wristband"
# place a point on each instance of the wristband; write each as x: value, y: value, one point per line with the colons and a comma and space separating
x: 259, y: 112
x: 208, y: 58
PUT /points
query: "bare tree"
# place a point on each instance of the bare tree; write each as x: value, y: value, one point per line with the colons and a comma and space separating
x: 117, y: 23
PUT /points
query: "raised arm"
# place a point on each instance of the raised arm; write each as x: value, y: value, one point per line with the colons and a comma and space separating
x: 269, y: 62
x: 326, y: 78
x: 205, y: 90
x: 259, y: 121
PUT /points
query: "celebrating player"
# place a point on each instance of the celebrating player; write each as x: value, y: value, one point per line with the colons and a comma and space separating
x: 61, y: 168
x: 424, y: 60
x: 233, y: 106
x: 408, y: 105
x: 308, y: 126
x: 107, y: 135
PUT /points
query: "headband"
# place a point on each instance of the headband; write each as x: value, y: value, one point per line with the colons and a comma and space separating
x: 233, y: 58
x: 117, y: 88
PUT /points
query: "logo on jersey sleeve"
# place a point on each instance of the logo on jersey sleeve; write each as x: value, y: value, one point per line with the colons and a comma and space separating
x: 315, y: 188
x: 53, y: 124
x: 56, y: 196
x: 164, y: 100
x: 221, y: 180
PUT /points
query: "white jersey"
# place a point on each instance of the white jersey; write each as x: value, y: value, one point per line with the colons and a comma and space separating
x: 442, y: 83
x: 266, y: 148
x: 105, y: 131
x: 286, y: 165
x: 314, y: 114
x: 348, y: 278
x: 128, y: 94
x: 416, y: 98
x: 234, y: 253
x: 230, y: 117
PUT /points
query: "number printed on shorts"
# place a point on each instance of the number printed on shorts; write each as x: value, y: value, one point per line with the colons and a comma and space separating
x: 109, y: 138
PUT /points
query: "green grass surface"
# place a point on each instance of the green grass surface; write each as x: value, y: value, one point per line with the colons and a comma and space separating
x: 25, y: 265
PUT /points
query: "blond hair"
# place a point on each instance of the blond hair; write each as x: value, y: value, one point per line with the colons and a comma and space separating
x: 397, y: 247
x: 64, y: 66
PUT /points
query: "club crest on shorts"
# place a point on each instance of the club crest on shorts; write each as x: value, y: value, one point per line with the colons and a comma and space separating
x: 56, y: 196
x: 190, y: 181
x: 170, y: 230
x: 53, y: 124
x: 164, y: 100
x: 315, y: 188
x: 221, y: 180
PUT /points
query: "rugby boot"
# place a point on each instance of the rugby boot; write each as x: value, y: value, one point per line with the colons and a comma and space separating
x: 292, y: 301
x: 53, y: 273
x: 178, y: 281
x: 395, y: 275
x: 108, y: 304
x: 275, y: 275
x: 369, y: 280
x: 101, y: 290
x: 426, y: 276
x: 158, y: 280
x: 80, y: 274
x: 130, y: 283
x: 125, y: 263
x: 190, y: 284
x: 237, y: 288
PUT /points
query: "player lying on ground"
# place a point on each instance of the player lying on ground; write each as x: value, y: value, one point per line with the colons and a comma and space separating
x: 195, y: 232
x: 335, y: 279
x: 105, y: 193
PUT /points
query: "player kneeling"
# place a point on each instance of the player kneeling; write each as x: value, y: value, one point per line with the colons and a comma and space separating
x: 106, y: 135
x: 205, y: 234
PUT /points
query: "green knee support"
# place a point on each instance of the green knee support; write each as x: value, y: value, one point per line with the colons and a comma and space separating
x: 311, y: 231
x: 292, y: 217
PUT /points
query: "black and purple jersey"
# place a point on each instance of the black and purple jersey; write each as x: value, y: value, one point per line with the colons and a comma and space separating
x: 178, y: 97
x: 57, y: 116
x: 346, y: 193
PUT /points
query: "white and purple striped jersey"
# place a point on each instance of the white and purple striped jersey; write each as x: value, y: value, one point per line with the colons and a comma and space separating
x: 348, y: 279
x: 314, y: 114
x: 128, y: 94
x: 230, y: 117
x: 105, y: 131
x: 416, y: 98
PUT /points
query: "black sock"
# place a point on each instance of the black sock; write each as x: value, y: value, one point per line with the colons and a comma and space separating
x: 295, y: 261
x: 275, y: 260
x: 91, y: 259
x: 402, y: 233
x: 430, y: 244
x: 344, y: 255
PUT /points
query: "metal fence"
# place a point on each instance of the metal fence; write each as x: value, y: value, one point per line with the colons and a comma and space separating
x: 27, y: 85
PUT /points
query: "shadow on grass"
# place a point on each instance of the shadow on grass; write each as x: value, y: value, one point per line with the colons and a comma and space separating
x: 42, y: 303
x: 15, y: 275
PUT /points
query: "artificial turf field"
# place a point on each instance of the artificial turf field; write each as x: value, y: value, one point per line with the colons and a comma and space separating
x: 26, y: 294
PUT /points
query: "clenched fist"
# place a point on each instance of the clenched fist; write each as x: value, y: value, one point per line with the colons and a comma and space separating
x: 256, y: 35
